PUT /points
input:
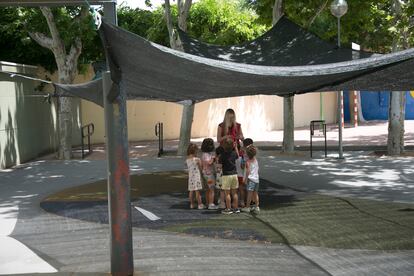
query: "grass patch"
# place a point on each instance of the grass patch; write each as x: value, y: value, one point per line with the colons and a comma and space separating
x: 324, y: 221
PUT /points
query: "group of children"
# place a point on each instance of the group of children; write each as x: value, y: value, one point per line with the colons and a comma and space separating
x: 231, y: 169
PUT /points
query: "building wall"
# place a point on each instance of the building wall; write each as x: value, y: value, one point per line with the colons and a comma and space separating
x: 26, y: 122
x: 257, y: 114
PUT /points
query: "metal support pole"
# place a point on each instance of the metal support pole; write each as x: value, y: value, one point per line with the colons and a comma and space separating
x: 320, y: 106
x: 339, y: 111
x: 340, y: 103
x: 339, y: 32
x: 119, y: 200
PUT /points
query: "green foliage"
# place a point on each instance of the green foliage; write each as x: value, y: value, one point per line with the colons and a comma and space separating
x: 15, y: 43
x: 371, y: 23
x: 224, y: 22
x: 16, y: 23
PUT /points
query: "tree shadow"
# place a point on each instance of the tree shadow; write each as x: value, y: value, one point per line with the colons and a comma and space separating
x: 386, y: 178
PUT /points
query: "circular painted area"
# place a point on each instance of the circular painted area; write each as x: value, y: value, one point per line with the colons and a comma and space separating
x: 160, y: 201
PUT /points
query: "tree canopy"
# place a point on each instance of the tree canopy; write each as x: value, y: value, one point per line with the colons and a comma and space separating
x: 370, y: 23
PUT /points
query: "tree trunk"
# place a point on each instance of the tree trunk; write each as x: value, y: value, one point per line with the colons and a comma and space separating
x: 67, y: 64
x: 396, y: 111
x: 361, y: 118
x: 277, y: 11
x: 396, y: 116
x: 175, y: 43
x: 288, y: 125
x: 288, y: 102
x: 64, y: 118
x: 185, y: 130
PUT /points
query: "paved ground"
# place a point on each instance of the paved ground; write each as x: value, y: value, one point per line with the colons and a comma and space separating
x: 71, y: 245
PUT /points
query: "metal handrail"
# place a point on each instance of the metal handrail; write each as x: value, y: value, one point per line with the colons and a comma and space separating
x: 322, y: 126
x: 86, y: 132
x: 159, y: 132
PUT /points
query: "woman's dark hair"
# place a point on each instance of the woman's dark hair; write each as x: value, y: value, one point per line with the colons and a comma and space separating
x: 219, y: 150
x: 192, y: 149
x: 207, y: 145
x: 228, y: 145
x: 247, y: 142
x: 251, y: 151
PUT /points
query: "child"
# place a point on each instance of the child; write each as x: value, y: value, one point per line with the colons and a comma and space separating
x: 252, y: 179
x: 247, y: 142
x: 207, y: 160
x: 194, y: 177
x: 240, y: 163
x: 229, y: 179
x: 219, y: 174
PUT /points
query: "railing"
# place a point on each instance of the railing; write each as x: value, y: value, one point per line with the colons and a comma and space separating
x: 317, y: 129
x: 159, y: 132
x: 86, y: 132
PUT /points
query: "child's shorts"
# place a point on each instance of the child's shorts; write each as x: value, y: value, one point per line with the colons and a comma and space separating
x: 218, y: 182
x: 229, y: 182
x: 240, y: 179
x: 210, y: 180
x: 252, y: 186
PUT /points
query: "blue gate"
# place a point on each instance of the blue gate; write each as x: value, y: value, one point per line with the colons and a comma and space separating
x: 375, y: 105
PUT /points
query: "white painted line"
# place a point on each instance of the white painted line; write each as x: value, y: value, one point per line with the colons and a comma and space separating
x: 148, y: 214
x: 8, y: 219
x: 15, y: 257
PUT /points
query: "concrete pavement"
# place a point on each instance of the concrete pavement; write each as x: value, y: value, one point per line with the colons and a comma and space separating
x: 71, y: 245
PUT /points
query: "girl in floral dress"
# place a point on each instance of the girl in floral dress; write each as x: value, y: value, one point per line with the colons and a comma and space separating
x: 194, y: 176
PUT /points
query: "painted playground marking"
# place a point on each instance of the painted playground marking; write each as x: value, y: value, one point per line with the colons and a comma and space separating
x: 15, y: 257
x: 148, y: 214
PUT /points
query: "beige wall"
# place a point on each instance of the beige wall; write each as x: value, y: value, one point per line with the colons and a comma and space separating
x: 26, y: 122
x: 257, y: 114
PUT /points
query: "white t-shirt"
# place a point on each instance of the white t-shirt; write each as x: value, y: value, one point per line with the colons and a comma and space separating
x: 207, y: 163
x: 253, y: 171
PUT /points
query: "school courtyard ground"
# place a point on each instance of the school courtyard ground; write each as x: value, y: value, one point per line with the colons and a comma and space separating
x: 320, y: 216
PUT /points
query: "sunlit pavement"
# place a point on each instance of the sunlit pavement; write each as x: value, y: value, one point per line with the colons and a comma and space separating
x: 70, y: 245
x: 357, y: 175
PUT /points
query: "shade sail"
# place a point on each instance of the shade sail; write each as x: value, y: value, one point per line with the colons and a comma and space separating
x: 285, y: 44
x: 145, y: 70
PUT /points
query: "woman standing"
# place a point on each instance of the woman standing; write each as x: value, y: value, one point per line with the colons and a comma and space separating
x: 229, y: 128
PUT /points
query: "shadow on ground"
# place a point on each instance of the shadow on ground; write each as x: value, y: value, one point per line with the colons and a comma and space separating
x: 288, y: 216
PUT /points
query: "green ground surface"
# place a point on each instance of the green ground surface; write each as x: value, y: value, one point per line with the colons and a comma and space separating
x: 323, y: 221
x: 303, y: 219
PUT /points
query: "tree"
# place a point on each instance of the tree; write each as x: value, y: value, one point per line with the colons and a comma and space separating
x: 67, y: 66
x: 50, y: 43
x: 288, y: 144
x: 396, y: 111
x: 183, y: 7
x: 223, y: 22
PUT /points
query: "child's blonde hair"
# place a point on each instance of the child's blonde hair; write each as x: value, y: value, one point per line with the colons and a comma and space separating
x: 192, y: 149
x: 251, y: 151
x: 228, y: 145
